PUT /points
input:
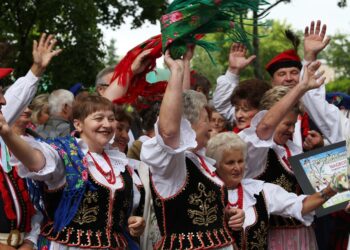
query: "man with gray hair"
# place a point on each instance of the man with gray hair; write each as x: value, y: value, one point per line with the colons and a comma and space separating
x: 103, y: 79
x: 60, y: 110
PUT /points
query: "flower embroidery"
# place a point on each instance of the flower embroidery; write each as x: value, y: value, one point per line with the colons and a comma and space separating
x: 175, y: 16
x: 84, y: 175
x: 44, y: 248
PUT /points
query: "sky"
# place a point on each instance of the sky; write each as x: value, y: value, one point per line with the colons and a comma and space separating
x: 298, y: 13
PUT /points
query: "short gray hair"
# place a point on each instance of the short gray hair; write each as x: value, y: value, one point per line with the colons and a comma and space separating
x: 272, y: 96
x: 58, y: 98
x: 102, y: 73
x: 222, y: 142
x: 193, y: 103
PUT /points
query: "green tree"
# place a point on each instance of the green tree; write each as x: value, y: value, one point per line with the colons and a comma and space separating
x: 75, y: 24
x: 111, y: 56
x: 272, y: 42
x: 337, y: 53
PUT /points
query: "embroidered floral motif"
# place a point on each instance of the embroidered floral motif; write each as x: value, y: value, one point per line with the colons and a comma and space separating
x: 283, y: 182
x: 87, y: 213
x: 206, y: 213
x: 260, y: 236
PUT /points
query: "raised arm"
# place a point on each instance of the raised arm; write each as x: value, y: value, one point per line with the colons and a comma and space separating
x: 171, y: 108
x: 115, y: 90
x: 275, y: 115
x: 328, y: 118
x: 315, y: 40
x: 227, y: 83
x: 315, y: 200
x: 33, y: 159
x: 21, y: 93
x: 187, y: 68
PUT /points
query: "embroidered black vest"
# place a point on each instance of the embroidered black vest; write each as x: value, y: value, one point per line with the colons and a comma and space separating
x: 100, y: 219
x: 7, y: 202
x: 194, y: 217
x: 275, y: 173
x: 255, y: 235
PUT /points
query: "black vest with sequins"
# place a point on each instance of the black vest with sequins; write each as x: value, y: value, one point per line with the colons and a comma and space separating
x: 100, y: 219
x: 275, y: 173
x: 255, y: 235
x: 193, y: 218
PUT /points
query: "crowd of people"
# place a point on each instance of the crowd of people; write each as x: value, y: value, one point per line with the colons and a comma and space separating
x: 186, y: 172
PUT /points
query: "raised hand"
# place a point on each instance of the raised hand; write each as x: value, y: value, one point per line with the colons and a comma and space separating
x: 315, y: 40
x: 312, y: 78
x: 173, y: 65
x: 141, y: 62
x: 238, y: 58
x: 43, y: 53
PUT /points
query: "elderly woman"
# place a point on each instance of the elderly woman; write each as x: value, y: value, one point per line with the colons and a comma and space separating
x: 189, y: 198
x: 258, y: 199
x: 269, y: 147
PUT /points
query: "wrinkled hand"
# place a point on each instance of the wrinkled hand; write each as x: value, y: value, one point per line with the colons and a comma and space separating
x: 235, y: 218
x: 141, y: 62
x: 238, y: 58
x: 5, y: 247
x: 312, y: 79
x: 43, y: 53
x: 26, y: 246
x: 313, y: 140
x: 189, y: 53
x: 4, y: 127
x: 347, y: 208
x: 173, y: 65
x: 136, y: 225
x: 315, y: 40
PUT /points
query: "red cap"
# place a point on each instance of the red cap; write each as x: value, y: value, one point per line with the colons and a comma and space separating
x: 4, y: 72
x: 286, y: 59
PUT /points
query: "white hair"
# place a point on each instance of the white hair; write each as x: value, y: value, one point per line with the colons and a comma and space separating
x: 57, y: 100
x: 222, y: 142
x: 193, y: 103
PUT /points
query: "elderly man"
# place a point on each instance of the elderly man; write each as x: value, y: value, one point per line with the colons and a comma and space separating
x: 60, y: 110
x: 15, y: 207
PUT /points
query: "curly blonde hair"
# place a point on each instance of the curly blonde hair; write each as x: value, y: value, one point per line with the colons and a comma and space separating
x: 39, y: 104
x: 272, y: 96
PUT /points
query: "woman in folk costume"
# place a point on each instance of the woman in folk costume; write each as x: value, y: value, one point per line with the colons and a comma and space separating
x: 270, y: 146
x: 16, y: 222
x: 90, y: 193
x: 189, y: 199
x: 257, y: 198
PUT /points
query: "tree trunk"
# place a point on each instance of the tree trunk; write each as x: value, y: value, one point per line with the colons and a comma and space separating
x: 257, y: 66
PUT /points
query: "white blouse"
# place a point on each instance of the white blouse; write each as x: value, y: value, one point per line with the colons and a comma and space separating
x: 278, y: 201
x: 53, y: 173
x: 168, y: 165
x: 258, y: 149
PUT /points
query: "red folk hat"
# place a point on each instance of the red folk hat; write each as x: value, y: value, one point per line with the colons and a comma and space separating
x: 286, y: 59
x: 4, y: 72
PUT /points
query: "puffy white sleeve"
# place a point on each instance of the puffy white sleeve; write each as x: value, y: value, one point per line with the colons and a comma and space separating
x: 53, y: 173
x: 222, y: 95
x: 167, y: 165
x: 19, y: 95
x: 257, y: 149
x: 328, y: 118
x: 280, y: 202
x: 36, y: 221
